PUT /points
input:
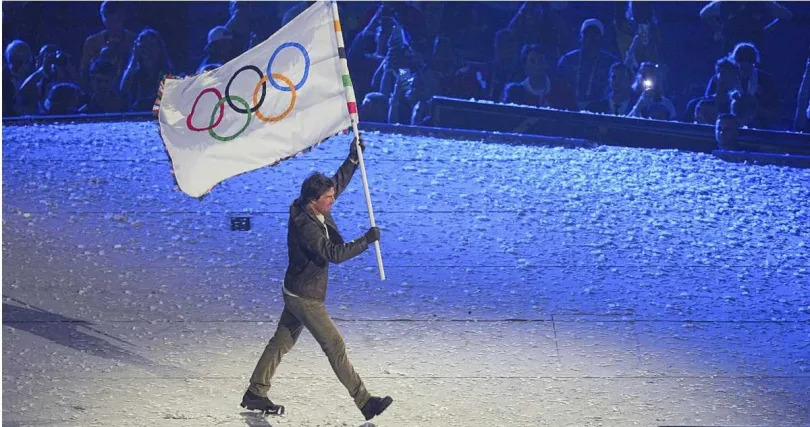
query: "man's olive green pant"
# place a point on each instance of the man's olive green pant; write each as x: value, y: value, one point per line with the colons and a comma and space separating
x: 298, y: 313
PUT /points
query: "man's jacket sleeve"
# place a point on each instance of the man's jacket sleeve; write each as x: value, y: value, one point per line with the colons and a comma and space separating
x: 343, y: 176
x: 314, y: 240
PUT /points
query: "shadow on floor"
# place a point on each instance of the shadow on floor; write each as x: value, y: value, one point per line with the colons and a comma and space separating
x: 74, y: 333
x: 255, y: 419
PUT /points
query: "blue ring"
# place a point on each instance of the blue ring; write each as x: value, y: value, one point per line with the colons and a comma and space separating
x: 273, y: 57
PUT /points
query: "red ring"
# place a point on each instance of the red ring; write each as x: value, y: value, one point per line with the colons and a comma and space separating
x: 193, y: 107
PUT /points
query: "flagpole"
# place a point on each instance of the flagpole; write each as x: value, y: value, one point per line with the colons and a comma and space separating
x: 368, y: 196
x: 352, y: 104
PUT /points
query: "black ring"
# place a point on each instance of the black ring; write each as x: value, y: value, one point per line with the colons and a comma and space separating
x: 228, y: 90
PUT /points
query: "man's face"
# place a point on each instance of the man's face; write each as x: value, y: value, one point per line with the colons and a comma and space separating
x: 619, y: 79
x: 746, y: 68
x: 114, y: 22
x: 591, y: 37
x: 22, y: 62
x: 536, y: 64
x: 725, y: 132
x: 323, y: 204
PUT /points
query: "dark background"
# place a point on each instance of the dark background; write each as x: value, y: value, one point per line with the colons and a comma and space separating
x: 690, y: 51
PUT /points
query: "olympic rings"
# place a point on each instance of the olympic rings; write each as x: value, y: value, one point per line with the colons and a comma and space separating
x: 306, y: 65
x: 194, y: 107
x: 239, y: 132
x: 293, y: 95
x: 258, y: 101
x: 228, y: 90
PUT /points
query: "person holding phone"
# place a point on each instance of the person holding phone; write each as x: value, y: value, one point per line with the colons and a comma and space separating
x: 652, y: 103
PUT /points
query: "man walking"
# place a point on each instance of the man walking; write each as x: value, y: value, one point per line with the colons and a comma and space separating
x: 313, y: 241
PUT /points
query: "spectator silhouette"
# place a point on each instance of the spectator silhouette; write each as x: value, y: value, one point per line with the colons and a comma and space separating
x: 488, y: 81
x: 540, y: 87
x: 586, y: 69
x: 148, y: 64
x: 117, y: 39
x: 744, y: 107
x: 802, y: 116
x: 220, y: 47
x: 442, y: 68
x: 398, y: 62
x: 652, y: 103
x: 620, y: 98
x: 44, y: 51
x: 741, y: 21
x: 369, y: 48
x: 19, y: 62
x: 726, y: 131
x: 103, y: 95
x: 62, y: 99
x: 57, y: 67
x: 648, y: 71
x: 413, y: 19
x: 239, y: 24
x: 726, y: 79
x: 705, y: 111
x: 753, y: 81
x: 436, y: 77
x: 396, y: 75
x: 374, y: 108
x: 409, y: 88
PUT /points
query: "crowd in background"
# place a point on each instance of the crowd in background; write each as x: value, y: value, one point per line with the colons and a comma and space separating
x: 402, y: 54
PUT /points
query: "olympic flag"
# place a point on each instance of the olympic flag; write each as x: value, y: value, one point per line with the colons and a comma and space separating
x: 274, y: 101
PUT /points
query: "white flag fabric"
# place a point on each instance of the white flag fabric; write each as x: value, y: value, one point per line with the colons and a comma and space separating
x: 274, y: 101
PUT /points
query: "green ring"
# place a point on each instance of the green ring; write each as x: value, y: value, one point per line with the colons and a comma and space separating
x: 214, y: 113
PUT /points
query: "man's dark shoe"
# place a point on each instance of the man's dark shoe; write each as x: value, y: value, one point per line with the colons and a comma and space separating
x: 375, y: 406
x: 253, y: 401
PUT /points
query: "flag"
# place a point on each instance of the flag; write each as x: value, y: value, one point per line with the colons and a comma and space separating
x: 274, y: 101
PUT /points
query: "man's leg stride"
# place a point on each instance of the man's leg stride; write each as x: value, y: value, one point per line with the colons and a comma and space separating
x: 287, y: 332
x: 315, y: 318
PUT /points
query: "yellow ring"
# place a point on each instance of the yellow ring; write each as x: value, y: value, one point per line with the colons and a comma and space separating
x: 293, y: 97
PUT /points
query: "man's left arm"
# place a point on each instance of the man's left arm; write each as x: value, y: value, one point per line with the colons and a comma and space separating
x: 346, y: 171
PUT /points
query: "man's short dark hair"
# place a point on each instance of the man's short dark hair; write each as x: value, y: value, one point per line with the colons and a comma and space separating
x: 108, y: 8
x: 745, y: 51
x: 63, y: 98
x: 314, y: 187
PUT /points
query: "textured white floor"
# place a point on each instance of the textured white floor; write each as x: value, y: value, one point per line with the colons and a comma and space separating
x: 526, y: 286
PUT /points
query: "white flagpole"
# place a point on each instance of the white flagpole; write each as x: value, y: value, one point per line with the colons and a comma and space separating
x: 368, y: 197
x: 350, y: 98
